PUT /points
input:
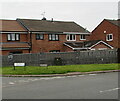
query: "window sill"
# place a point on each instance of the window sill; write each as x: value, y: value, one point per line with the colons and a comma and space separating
x: 82, y: 39
x: 71, y: 40
x: 109, y: 40
x: 13, y: 41
x: 39, y: 39
x: 54, y: 40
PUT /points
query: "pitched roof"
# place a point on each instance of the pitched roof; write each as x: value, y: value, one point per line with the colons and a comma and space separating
x: 11, y: 25
x: 115, y: 22
x: 51, y: 26
x: 85, y: 44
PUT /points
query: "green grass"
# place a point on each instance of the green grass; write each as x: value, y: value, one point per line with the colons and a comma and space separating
x: 36, y: 70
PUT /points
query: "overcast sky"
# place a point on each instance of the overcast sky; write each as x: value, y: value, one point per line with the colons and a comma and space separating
x: 86, y: 14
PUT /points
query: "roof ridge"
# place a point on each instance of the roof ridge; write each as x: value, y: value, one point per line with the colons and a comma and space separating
x: 111, y: 19
x: 7, y: 20
x: 44, y: 20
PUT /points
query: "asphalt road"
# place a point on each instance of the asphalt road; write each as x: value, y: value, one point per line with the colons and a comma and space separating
x: 90, y: 86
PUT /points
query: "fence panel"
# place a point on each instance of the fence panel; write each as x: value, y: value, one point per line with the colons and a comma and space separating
x: 67, y: 58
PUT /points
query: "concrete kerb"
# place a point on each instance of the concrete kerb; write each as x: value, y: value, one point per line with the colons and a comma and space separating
x: 67, y: 74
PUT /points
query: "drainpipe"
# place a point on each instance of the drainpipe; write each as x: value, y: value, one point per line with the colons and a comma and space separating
x: 30, y: 41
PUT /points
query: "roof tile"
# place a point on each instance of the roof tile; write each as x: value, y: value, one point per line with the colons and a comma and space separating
x: 11, y: 25
x: 51, y: 26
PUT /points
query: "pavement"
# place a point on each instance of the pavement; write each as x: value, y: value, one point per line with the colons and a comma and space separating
x: 67, y: 74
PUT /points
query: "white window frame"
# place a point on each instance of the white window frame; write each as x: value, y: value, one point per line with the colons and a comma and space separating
x: 81, y: 37
x: 13, y: 37
x: 68, y: 37
x: 17, y: 37
x: 53, y: 37
x: 8, y: 37
x: 107, y: 37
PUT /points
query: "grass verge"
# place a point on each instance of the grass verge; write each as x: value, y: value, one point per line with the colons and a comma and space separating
x: 36, y: 70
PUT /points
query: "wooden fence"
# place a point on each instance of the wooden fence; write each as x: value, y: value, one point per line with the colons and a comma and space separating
x: 63, y: 58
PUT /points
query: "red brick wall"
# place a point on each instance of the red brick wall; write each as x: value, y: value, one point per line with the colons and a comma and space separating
x: 4, y: 37
x: 42, y: 45
x: 67, y: 49
x: 98, y: 33
x: 23, y: 38
x: 46, y: 45
x: 0, y: 37
x: 6, y: 52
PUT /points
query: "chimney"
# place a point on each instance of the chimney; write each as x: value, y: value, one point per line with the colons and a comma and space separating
x: 52, y: 20
x: 44, y: 18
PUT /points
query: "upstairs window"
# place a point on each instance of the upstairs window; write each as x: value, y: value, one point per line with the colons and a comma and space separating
x: 82, y: 37
x: 109, y: 37
x: 53, y: 37
x: 39, y: 36
x: 13, y: 37
x: 71, y: 37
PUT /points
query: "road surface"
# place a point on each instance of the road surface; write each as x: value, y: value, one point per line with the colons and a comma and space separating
x: 90, y: 86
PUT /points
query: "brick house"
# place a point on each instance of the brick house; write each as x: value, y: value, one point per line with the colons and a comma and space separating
x: 58, y: 36
x: 50, y: 36
x: 35, y: 36
x: 108, y: 31
x: 13, y: 37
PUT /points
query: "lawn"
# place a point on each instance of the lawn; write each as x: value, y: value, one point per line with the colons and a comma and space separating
x: 36, y: 70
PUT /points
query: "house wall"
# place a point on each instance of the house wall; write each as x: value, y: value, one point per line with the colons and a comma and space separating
x: 6, y: 52
x: 23, y: 38
x: 46, y: 45
x: 67, y: 49
x: 98, y: 33
x: 0, y: 37
x: 100, y: 46
x: 42, y: 45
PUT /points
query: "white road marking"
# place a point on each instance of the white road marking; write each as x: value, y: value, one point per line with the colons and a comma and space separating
x: 46, y: 78
x: 81, y: 75
x: 36, y: 79
x: 92, y: 74
x: 109, y: 90
x: 21, y: 81
x: 11, y: 83
x: 58, y: 77
x: 71, y: 76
